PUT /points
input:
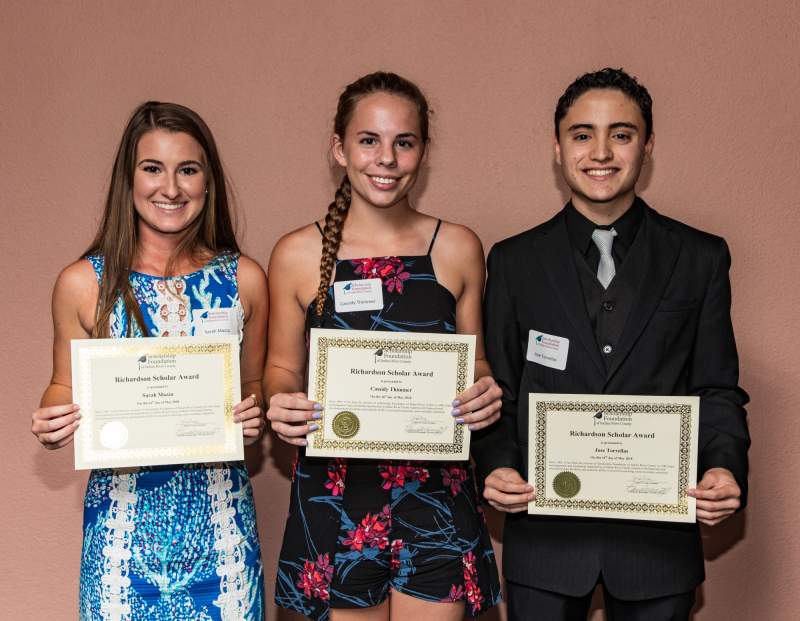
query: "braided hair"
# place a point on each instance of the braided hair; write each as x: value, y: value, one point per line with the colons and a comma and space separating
x: 378, y: 82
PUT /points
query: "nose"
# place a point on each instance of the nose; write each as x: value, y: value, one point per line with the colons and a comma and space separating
x: 170, y: 188
x: 386, y: 156
x: 601, y: 151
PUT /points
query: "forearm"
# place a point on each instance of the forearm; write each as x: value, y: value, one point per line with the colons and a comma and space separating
x: 56, y: 394
x: 281, y: 380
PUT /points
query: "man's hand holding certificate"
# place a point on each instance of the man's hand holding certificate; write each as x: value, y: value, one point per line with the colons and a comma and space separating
x: 389, y: 395
x: 156, y: 401
x: 613, y: 456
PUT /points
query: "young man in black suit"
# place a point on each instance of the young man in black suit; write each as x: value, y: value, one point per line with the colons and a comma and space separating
x: 639, y: 304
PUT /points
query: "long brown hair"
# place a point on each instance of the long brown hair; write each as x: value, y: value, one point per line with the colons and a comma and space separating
x: 116, y: 238
x: 378, y: 82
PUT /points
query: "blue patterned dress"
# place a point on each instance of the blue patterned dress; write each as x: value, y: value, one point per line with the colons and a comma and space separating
x: 173, y: 542
x: 358, y: 527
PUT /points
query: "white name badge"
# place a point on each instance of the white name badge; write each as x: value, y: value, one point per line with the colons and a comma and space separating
x: 358, y: 295
x: 548, y: 350
x: 216, y: 321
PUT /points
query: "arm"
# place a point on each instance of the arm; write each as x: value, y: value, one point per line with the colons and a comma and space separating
x: 496, y: 451
x: 252, y: 285
x: 292, y: 284
x: 459, y: 254
x: 714, y: 376
x: 74, y: 300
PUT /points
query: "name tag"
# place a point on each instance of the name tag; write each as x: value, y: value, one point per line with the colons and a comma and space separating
x: 358, y: 295
x: 217, y: 321
x: 548, y: 350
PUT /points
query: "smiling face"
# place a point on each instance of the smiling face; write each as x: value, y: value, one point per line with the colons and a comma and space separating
x: 381, y: 149
x: 169, y: 182
x: 601, y: 150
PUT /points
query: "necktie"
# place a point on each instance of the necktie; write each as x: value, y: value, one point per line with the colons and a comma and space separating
x: 604, y: 239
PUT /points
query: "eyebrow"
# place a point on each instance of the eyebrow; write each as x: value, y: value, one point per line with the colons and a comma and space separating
x: 376, y: 135
x: 160, y: 163
x: 617, y: 125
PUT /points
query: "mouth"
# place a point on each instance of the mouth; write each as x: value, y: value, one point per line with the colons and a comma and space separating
x: 168, y: 206
x: 383, y: 183
x: 601, y: 173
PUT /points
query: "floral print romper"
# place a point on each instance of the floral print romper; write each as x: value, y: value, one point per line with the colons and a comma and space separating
x: 358, y: 527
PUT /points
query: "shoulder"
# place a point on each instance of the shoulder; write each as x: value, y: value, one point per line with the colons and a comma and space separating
x: 77, y: 277
x: 458, y: 241
x: 523, y: 242
x: 299, y: 247
x: 250, y: 275
x: 697, y: 241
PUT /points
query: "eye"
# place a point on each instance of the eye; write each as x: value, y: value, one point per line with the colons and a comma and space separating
x: 368, y: 140
x: 622, y: 137
x: 404, y: 143
x: 151, y: 168
x: 580, y: 137
x: 189, y: 170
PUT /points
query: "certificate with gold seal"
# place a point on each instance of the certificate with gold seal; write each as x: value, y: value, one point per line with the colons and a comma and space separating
x: 613, y: 456
x: 388, y: 395
x: 155, y: 401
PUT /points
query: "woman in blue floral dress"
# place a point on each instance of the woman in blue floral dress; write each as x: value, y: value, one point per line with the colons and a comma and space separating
x: 371, y: 539
x: 179, y: 541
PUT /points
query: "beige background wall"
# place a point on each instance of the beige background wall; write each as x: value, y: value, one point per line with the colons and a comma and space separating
x: 265, y: 75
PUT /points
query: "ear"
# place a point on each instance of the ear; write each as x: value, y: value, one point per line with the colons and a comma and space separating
x: 648, y: 148
x: 337, y: 149
x: 556, y: 150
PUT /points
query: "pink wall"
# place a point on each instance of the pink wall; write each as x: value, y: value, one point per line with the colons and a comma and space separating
x: 265, y: 75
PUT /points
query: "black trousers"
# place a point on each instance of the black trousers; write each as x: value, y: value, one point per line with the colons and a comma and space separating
x: 530, y: 604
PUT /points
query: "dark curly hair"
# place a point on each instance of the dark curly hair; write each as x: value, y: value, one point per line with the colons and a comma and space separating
x: 608, y: 78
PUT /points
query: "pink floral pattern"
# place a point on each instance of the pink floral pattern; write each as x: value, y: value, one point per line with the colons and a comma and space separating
x: 471, y: 588
x: 397, y: 476
x: 397, y: 546
x: 453, y: 477
x: 315, y: 578
x: 391, y: 270
x: 372, y: 532
x: 337, y: 472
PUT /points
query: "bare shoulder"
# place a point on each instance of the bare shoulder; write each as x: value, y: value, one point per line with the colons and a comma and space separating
x: 77, y: 282
x: 456, y: 243
x: 250, y: 272
x: 299, y: 249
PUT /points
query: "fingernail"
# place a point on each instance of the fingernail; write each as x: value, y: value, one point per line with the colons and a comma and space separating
x: 77, y: 415
x: 317, y: 406
x: 460, y: 420
x: 471, y: 427
x: 456, y: 403
x: 303, y: 442
x: 455, y: 412
x: 313, y: 427
x: 316, y: 415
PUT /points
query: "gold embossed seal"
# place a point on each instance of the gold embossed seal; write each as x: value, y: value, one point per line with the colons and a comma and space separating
x: 566, y: 484
x: 345, y: 424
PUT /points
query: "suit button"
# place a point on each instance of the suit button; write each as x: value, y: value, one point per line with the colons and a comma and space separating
x: 607, y: 349
x: 609, y: 306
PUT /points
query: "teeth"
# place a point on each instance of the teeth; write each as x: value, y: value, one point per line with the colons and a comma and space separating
x: 600, y: 173
x: 168, y: 206
x: 385, y: 180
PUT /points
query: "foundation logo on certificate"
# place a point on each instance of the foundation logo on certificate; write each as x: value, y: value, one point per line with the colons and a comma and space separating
x: 358, y: 295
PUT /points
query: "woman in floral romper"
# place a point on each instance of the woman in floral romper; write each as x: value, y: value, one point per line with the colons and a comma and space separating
x: 369, y: 538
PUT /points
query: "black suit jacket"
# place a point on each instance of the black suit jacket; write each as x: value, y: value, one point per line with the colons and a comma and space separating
x: 677, y: 340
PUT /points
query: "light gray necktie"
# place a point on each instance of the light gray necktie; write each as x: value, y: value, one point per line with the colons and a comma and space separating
x: 604, y: 239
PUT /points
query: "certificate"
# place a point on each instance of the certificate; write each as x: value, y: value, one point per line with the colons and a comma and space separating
x: 389, y: 395
x: 613, y: 456
x: 153, y: 401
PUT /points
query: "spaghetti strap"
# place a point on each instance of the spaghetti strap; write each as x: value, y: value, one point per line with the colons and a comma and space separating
x: 435, y: 233
x: 319, y: 228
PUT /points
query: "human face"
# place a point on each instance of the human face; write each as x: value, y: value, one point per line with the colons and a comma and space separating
x: 169, y: 182
x: 382, y: 149
x: 601, y: 150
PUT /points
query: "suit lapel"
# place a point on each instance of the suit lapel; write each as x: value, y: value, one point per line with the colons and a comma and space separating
x: 649, y: 277
x: 555, y: 255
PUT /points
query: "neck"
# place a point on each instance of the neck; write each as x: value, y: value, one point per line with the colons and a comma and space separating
x: 365, y: 220
x: 154, y: 250
x: 603, y: 214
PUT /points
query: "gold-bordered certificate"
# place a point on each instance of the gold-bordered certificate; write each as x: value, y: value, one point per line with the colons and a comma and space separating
x: 613, y: 456
x: 153, y: 401
x: 388, y: 395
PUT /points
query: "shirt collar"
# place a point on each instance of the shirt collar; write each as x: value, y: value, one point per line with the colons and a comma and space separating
x: 580, y: 228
